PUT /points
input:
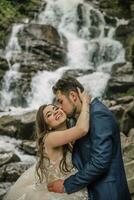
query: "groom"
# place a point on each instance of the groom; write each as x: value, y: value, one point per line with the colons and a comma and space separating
x: 97, y: 155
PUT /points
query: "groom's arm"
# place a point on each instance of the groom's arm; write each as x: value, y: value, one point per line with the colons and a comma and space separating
x: 101, y: 154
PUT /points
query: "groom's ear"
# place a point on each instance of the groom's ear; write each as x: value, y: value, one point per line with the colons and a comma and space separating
x: 73, y: 95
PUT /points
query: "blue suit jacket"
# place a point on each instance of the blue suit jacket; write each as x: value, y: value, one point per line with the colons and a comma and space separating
x: 98, y: 158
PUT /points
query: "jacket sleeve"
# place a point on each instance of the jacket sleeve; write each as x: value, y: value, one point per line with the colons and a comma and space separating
x: 100, y: 156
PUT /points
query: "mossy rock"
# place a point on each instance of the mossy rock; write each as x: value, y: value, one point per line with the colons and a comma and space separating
x: 130, y: 48
x: 116, y: 8
x: 129, y: 92
x: 13, y: 11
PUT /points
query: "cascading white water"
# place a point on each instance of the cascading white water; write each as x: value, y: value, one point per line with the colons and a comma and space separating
x: 11, y: 51
x: 81, y: 49
x: 88, y: 47
x: 12, y: 145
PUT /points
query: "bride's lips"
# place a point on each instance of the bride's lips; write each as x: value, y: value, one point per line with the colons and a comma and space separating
x: 58, y: 115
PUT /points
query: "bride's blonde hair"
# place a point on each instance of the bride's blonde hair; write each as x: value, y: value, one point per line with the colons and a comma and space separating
x: 41, y: 131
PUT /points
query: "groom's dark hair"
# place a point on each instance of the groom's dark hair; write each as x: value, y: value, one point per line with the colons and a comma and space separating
x: 67, y: 84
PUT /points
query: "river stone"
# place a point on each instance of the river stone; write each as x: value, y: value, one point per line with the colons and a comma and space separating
x: 131, y: 134
x: 43, y: 32
x: 3, y: 64
x: 2, y: 193
x: 8, y: 158
x: 131, y: 186
x: 22, y: 125
x: 128, y: 152
x: 121, y: 81
x: 12, y: 171
x: 29, y: 147
x: 126, y: 123
x: 4, y: 187
x: 129, y: 167
x: 126, y: 99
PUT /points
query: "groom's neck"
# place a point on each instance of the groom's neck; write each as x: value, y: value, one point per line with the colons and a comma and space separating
x: 78, y: 110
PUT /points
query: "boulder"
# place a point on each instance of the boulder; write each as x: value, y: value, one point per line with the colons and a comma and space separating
x: 12, y: 171
x: 131, y: 186
x: 121, y: 82
x: 19, y: 126
x: 129, y: 167
x: 118, y: 111
x: 3, y: 64
x: 29, y: 147
x: 8, y: 158
x: 4, y: 187
x: 116, y: 8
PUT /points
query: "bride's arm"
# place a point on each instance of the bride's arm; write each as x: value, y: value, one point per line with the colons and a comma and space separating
x: 59, y: 138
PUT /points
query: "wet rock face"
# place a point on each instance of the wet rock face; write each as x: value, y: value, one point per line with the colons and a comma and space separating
x: 123, y: 109
x: 124, y: 33
x: 20, y: 127
x: 29, y: 147
x: 8, y: 157
x: 3, y: 68
x: 121, y: 81
x: 41, y: 50
x: 117, y: 8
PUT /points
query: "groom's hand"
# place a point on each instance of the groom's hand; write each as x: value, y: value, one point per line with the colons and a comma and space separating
x: 56, y: 186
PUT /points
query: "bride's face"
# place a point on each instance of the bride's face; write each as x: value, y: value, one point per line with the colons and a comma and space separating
x: 54, y: 116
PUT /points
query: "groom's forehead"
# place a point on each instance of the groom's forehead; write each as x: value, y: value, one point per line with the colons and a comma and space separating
x: 59, y: 95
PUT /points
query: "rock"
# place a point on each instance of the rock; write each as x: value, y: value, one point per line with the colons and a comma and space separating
x: 121, y: 81
x: 127, y: 120
x: 77, y: 73
x: 12, y: 171
x: 131, y: 134
x: 3, y: 64
x: 129, y: 167
x: 20, y: 126
x: 130, y: 109
x: 2, y: 193
x: 125, y: 34
x: 8, y: 157
x: 29, y: 147
x: 43, y: 32
x: 124, y: 30
x: 8, y: 126
x: 128, y: 152
x: 109, y: 103
x: 125, y: 100
x: 115, y: 8
x: 124, y: 140
x: 4, y: 187
x: 118, y: 111
x: 110, y: 20
x: 126, y: 123
x: 131, y: 185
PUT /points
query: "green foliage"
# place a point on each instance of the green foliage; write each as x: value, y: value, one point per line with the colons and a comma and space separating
x: 129, y: 92
x: 12, y: 11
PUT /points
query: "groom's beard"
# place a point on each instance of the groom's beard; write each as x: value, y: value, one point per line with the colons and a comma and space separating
x: 73, y: 113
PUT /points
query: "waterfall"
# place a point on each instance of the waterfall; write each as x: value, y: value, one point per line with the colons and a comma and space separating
x: 11, y: 76
x: 84, y: 50
x: 90, y: 46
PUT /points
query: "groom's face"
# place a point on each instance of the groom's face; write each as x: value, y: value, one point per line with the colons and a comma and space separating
x: 65, y: 101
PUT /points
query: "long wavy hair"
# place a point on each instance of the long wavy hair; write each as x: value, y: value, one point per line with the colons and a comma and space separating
x: 41, y: 131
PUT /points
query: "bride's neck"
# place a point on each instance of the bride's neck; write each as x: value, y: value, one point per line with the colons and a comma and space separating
x: 61, y: 127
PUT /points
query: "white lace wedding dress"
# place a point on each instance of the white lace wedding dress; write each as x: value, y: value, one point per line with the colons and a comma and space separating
x: 28, y: 186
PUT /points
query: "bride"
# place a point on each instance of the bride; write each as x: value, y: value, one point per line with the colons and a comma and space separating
x: 54, y: 161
